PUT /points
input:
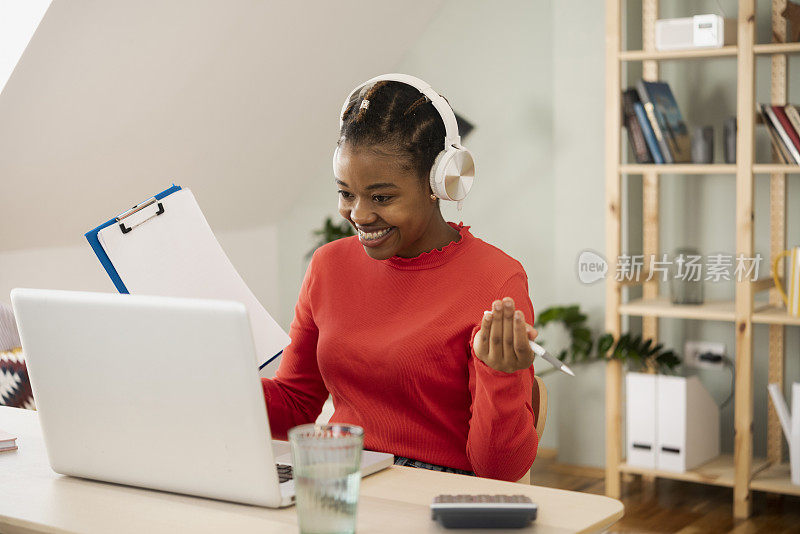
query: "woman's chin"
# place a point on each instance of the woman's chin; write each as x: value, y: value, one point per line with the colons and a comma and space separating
x: 383, y: 248
x: 379, y: 253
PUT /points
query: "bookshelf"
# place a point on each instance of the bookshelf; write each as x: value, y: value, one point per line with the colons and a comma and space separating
x: 717, y: 472
x: 740, y: 471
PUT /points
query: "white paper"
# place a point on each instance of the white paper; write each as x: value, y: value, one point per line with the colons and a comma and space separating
x: 175, y: 254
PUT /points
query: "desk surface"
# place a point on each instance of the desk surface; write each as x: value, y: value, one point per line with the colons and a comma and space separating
x: 33, y: 498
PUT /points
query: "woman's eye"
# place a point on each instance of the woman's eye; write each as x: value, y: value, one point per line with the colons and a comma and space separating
x: 345, y: 194
x: 381, y: 199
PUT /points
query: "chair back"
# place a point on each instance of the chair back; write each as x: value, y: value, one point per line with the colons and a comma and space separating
x: 539, y: 405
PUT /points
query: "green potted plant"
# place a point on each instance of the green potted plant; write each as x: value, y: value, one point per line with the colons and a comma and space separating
x: 635, y: 353
x: 330, y: 231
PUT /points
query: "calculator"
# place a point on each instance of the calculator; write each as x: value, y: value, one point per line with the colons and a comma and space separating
x: 483, y: 511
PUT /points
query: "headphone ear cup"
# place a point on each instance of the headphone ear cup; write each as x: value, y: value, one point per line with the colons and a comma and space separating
x: 452, y: 173
x: 437, y: 190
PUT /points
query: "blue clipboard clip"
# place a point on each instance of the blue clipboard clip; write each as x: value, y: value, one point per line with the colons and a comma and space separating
x: 138, y: 207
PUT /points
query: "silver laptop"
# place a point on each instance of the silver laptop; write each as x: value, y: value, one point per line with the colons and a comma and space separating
x: 156, y: 392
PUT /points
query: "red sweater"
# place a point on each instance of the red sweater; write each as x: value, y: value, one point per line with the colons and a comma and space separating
x: 391, y: 340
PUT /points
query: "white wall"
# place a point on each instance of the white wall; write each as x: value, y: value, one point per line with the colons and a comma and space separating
x: 71, y: 267
x: 579, y: 188
x: 75, y: 267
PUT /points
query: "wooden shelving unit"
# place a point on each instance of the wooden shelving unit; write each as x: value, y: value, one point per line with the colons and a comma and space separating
x: 717, y: 472
x: 772, y: 314
x: 775, y: 168
x: 677, y: 168
x: 775, y: 479
x: 740, y: 471
x: 653, y: 55
x: 662, y: 307
x: 715, y: 168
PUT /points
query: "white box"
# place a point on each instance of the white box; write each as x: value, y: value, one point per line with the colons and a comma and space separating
x: 700, y: 31
x: 677, y: 415
x: 640, y: 411
x: 688, y: 424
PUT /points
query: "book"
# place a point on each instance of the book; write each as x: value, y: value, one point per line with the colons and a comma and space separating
x: 794, y: 155
x: 631, y: 123
x: 794, y: 116
x: 647, y: 130
x: 7, y: 442
x: 657, y: 133
x: 667, y: 122
x: 789, y: 129
x: 777, y: 144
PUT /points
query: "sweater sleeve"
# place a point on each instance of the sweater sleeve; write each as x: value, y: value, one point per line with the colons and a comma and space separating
x: 296, y: 395
x: 502, y: 440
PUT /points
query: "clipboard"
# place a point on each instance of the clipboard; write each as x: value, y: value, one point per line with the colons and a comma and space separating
x: 91, y: 236
x: 164, y: 246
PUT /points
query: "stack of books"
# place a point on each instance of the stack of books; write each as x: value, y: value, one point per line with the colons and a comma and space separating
x: 783, y: 125
x: 7, y: 442
x: 656, y: 129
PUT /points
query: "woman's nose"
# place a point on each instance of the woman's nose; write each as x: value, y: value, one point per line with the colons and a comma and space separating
x: 360, y: 213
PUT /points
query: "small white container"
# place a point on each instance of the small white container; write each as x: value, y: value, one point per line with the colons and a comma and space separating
x: 672, y: 422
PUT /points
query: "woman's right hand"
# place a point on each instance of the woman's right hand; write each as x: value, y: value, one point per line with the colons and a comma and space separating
x: 502, y: 342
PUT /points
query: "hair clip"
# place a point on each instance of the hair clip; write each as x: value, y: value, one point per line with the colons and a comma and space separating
x: 364, y: 104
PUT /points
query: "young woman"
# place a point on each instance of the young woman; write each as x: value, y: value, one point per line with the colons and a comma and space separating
x: 395, y: 322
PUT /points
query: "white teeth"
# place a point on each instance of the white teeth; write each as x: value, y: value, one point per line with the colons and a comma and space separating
x: 374, y: 235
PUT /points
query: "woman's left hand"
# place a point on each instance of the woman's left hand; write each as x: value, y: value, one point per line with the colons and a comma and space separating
x: 502, y: 341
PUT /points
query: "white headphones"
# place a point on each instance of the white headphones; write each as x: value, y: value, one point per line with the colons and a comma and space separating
x: 453, y: 170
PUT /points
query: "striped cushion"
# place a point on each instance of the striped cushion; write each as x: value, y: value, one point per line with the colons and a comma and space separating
x: 15, y: 387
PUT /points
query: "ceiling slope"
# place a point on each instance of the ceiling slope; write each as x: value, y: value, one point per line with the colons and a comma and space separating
x: 114, y: 100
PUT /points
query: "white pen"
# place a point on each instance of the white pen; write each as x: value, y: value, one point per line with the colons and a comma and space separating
x: 552, y: 360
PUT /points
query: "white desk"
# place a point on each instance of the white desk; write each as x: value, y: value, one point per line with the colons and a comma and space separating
x: 35, y: 499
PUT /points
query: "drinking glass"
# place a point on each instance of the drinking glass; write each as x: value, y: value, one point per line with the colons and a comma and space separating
x: 686, y: 280
x: 730, y: 140
x: 327, y: 463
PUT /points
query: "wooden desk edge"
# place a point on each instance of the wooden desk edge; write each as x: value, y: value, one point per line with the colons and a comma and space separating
x: 13, y: 525
x: 10, y: 524
x: 602, y: 526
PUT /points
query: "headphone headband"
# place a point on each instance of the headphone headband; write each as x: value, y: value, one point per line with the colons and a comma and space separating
x: 445, y: 111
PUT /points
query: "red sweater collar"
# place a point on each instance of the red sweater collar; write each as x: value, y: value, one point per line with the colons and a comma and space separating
x: 437, y: 256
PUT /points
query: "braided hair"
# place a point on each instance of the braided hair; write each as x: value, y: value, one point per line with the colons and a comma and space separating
x: 398, y: 121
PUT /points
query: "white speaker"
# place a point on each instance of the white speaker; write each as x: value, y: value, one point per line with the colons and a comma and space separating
x: 700, y: 31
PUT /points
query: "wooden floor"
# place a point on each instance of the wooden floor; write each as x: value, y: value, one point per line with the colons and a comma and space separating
x: 674, y: 506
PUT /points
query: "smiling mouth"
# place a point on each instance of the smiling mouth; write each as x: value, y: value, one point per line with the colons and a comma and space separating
x: 373, y: 236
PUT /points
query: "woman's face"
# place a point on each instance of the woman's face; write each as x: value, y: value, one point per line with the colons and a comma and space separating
x: 388, y: 206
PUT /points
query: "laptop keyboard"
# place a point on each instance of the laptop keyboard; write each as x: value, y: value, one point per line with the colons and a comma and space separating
x: 284, y: 473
